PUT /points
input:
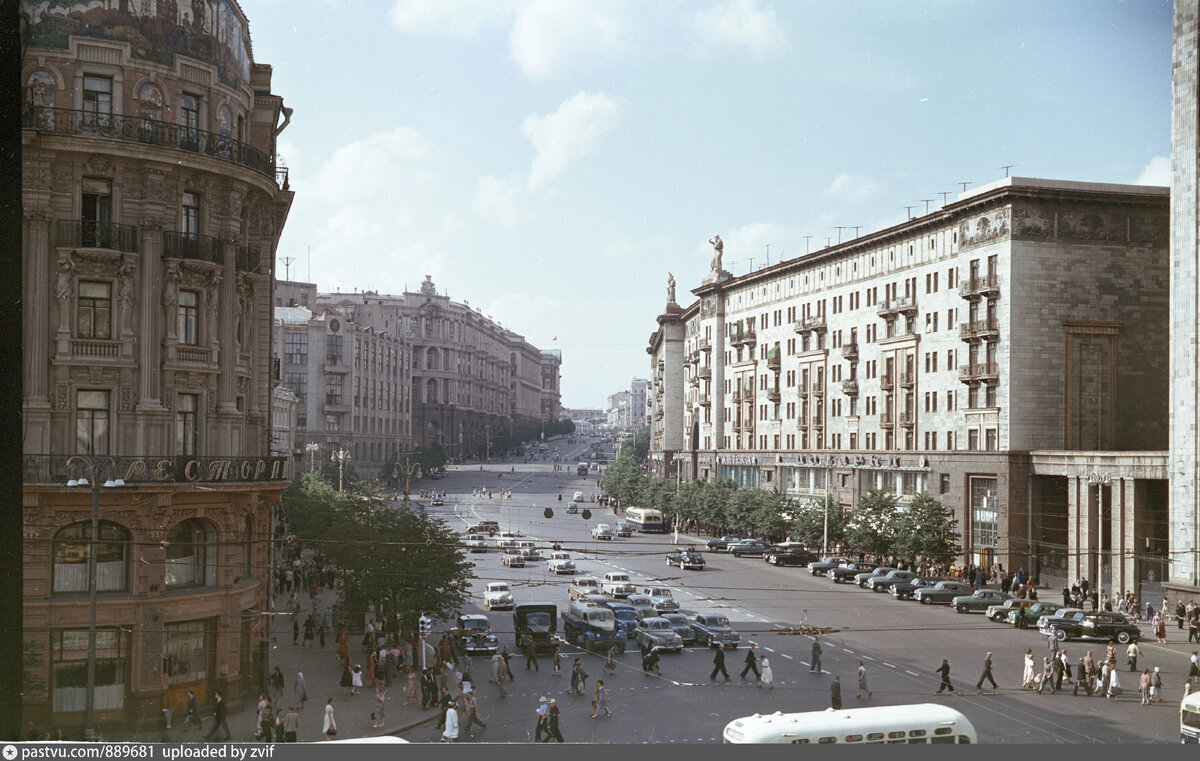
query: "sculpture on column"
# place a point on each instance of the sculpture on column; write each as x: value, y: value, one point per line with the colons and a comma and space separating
x: 125, y: 294
x: 171, y: 295
x: 718, y: 249
x: 62, y: 287
x: 670, y: 288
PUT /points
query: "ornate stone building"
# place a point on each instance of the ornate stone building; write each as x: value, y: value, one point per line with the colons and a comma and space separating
x: 153, y: 202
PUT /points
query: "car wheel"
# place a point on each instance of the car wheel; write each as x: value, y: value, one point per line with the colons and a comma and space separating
x: 1060, y: 635
x: 924, y: 600
x: 961, y: 608
x: 1123, y: 638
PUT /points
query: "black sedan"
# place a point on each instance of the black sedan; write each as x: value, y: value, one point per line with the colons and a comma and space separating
x: 827, y: 564
x: 716, y: 545
x: 790, y: 557
x: 1111, y: 627
x: 905, y: 589
x: 748, y: 547
x: 849, y: 571
x: 686, y: 559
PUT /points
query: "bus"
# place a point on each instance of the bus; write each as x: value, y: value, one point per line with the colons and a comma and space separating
x: 1189, y: 719
x: 581, y: 469
x: 645, y: 519
x: 916, y: 723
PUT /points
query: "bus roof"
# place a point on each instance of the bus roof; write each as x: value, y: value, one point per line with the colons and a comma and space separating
x: 758, y: 727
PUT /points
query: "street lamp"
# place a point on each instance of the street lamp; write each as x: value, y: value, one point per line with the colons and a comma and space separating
x: 487, y: 429
x: 1101, y: 480
x: 312, y: 448
x: 409, y: 470
x: 340, y: 456
x: 92, y: 465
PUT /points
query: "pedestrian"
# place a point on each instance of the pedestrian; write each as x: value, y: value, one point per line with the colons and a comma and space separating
x: 507, y: 656
x: 329, y: 726
x: 309, y: 627
x: 766, y: 677
x: 582, y: 686
x: 450, y: 732
x: 1160, y: 629
x: 410, y: 685
x: 501, y: 667
x: 575, y: 688
x: 347, y: 680
x: 301, y: 691
x: 443, y: 699
x: 343, y: 647
x: 466, y: 682
x: 1144, y: 684
x: 815, y: 668
x: 552, y: 723
x: 428, y: 689
x: 295, y: 631
x: 1194, y: 667
x: 719, y: 664
x: 557, y: 670
x: 1114, y: 686
x: 291, y: 724
x: 1027, y: 673
x: 193, y: 714
x: 1156, y: 686
x: 356, y: 680
x: 1047, y: 676
x: 987, y: 673
x: 610, y: 664
x: 220, y: 718
x: 944, y: 670
x: 1082, y: 678
x: 600, y: 702
x: 835, y: 693
x: 379, y: 706
x: 472, y: 712
x: 531, y: 655
x: 751, y: 664
x: 543, y: 710
x: 1131, y: 655
x: 1021, y: 622
x: 862, y: 681
x: 266, y: 720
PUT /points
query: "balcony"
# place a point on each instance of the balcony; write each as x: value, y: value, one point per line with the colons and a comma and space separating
x: 980, y: 329
x: 248, y: 259
x: 899, y: 305
x: 95, y: 349
x: 802, y: 422
x: 908, y: 379
x: 773, y: 394
x: 706, y: 372
x: 812, y: 322
x: 979, y: 372
x: 908, y: 419
x: 818, y: 390
x: 134, y: 129
x: 773, y: 361
x: 202, y: 355
x: 739, y: 335
x: 818, y: 423
x: 973, y: 288
x: 850, y: 352
x: 336, y: 363
x: 203, y: 248
x: 705, y: 344
x: 850, y: 387
x: 706, y: 402
x: 87, y: 233
x: 887, y: 380
x: 802, y: 392
x: 887, y: 420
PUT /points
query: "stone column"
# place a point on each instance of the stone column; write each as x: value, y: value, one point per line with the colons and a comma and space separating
x: 1124, y: 534
x: 1082, y: 524
x: 37, y: 308
x: 150, y: 327
x: 224, y: 328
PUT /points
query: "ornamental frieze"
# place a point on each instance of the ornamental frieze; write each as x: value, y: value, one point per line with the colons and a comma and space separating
x: 984, y: 229
x: 1092, y: 226
x: 1032, y: 223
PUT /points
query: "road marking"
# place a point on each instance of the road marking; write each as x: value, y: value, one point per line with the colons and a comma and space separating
x: 889, y: 665
x: 911, y: 672
x: 848, y: 650
x: 769, y: 650
x: 869, y: 658
x: 785, y: 655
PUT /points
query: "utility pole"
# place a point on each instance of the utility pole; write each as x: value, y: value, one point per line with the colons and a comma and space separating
x: 768, y: 254
x: 965, y: 184
x: 287, y: 266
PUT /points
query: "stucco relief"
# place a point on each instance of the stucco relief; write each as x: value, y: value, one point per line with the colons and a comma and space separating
x: 160, y: 185
x: 1032, y: 223
x: 96, y: 263
x: 1091, y: 226
x: 133, y: 184
x: 1148, y: 228
x: 985, y: 228
x: 708, y: 306
x: 100, y: 164
x: 126, y: 398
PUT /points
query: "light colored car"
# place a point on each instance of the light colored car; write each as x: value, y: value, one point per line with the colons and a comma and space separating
x: 617, y: 584
x: 529, y: 550
x: 583, y: 585
x: 602, y: 531
x: 506, y: 539
x: 560, y: 562
x: 656, y: 631
x: 497, y: 594
x: 512, y: 558
x: 476, y: 542
x: 662, y: 598
x: 642, y: 604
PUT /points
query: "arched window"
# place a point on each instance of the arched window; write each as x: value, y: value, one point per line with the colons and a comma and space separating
x: 431, y: 358
x: 431, y: 391
x: 71, y: 558
x: 192, y: 554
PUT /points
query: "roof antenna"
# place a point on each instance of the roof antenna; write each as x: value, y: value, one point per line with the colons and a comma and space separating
x: 807, y: 238
x: 927, y: 202
x: 1006, y: 167
x: 839, y: 228
x: 909, y: 210
x: 287, y: 266
x: 965, y: 184
x: 943, y: 194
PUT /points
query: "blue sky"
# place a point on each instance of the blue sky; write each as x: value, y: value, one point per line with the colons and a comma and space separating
x: 550, y: 161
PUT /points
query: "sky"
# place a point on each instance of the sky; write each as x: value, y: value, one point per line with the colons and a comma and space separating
x: 549, y: 162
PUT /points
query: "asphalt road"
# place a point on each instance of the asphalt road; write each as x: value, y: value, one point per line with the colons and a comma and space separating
x: 900, y: 643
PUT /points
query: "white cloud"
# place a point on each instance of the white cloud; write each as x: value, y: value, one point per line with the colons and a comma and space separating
x: 549, y: 36
x: 740, y: 24
x: 453, y: 18
x: 852, y: 188
x: 1157, y: 172
x: 500, y: 200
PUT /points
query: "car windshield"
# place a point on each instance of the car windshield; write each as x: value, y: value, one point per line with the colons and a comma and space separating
x: 625, y: 615
x: 618, y: 577
x: 722, y: 621
x: 660, y: 624
x: 537, y: 619
x: 498, y: 588
x: 478, y: 624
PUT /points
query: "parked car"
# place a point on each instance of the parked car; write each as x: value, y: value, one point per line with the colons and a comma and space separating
x: 682, y: 627
x: 617, y: 584
x: 848, y: 571
x: 686, y: 559
x: 827, y: 563
x: 713, y: 629
x: 716, y: 545
x: 884, y: 583
x: 642, y: 604
x: 748, y: 547
x: 999, y: 612
x: 861, y: 579
x: 905, y: 589
x: 942, y: 592
x: 1061, y: 612
x: 656, y: 631
x: 476, y: 542
x: 1033, y: 612
x: 437, y: 502
x: 490, y: 528
x: 572, y: 507
x: 513, y: 558
x: 623, y: 528
x: 583, y: 585
x: 497, y: 594
x: 662, y: 598
x: 626, y: 614
x: 978, y: 601
x: 790, y: 557
x: 602, y: 531
x: 474, y: 634
x: 1107, y: 626
x: 560, y: 562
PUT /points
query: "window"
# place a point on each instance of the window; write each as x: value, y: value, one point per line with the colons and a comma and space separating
x: 189, y: 112
x: 990, y: 395
x: 96, y: 213
x: 91, y: 422
x: 295, y: 348
x: 69, y: 667
x: 188, y: 651
x: 191, y: 554
x: 189, y: 318
x: 186, y: 434
x: 333, y: 389
x: 333, y: 350
x: 189, y: 223
x: 94, y: 318
x: 297, y: 383
x: 70, y: 565
x: 973, y: 440
x: 333, y: 422
x: 97, y: 101
x: 989, y: 439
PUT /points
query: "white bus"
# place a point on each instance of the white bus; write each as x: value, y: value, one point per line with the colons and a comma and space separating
x: 1189, y: 719
x: 645, y: 519
x: 918, y: 723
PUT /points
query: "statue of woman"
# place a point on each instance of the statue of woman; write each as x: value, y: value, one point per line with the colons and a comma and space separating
x: 718, y: 250
x: 670, y: 288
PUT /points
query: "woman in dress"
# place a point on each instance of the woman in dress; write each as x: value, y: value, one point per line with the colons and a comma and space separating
x: 610, y: 665
x: 410, y: 686
x: 600, y: 703
x: 1027, y: 674
x: 557, y: 671
x: 766, y: 677
x: 356, y: 680
x: 347, y: 680
x: 378, y: 706
x: 1160, y: 629
x: 1114, y: 685
x: 575, y: 688
x: 343, y: 647
x: 301, y: 692
x: 329, y: 727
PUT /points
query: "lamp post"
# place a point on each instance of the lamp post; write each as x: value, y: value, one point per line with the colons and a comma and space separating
x: 408, y: 470
x: 92, y: 466
x: 340, y: 456
x: 487, y: 429
x: 1101, y: 480
x: 312, y: 448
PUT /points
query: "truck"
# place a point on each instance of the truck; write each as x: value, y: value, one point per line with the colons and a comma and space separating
x: 592, y: 627
x: 537, y: 623
x: 581, y: 469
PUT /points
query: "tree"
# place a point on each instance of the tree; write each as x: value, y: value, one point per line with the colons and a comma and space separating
x: 641, y: 444
x: 927, y: 530
x: 872, y: 527
x: 808, y: 522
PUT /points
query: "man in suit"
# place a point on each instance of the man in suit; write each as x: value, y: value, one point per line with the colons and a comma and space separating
x: 751, y: 663
x: 816, y: 656
x: 219, y: 718
x: 719, y: 663
x: 835, y: 694
x: 987, y: 673
x: 944, y: 670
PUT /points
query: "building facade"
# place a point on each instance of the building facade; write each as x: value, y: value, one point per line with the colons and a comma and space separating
x: 152, y: 208
x: 1006, y: 354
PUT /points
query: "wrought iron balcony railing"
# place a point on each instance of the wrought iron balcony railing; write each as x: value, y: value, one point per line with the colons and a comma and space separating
x: 88, y: 233
x: 190, y: 246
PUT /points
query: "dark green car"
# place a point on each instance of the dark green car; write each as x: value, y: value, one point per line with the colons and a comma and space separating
x: 979, y: 601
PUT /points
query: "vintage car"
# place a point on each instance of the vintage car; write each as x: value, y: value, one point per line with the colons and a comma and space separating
x: 437, y: 502
x: 848, y: 571
x: 686, y: 559
x: 583, y: 585
x: 862, y: 579
x: 476, y: 542
x: 826, y: 564
x: 1105, y: 625
x: 942, y: 592
x: 999, y: 612
x: 642, y: 605
x: 682, y: 627
x: 905, y: 589
x: 791, y: 556
x: 884, y: 583
x: 560, y: 562
x: 713, y: 629
x: 617, y: 584
x: 1034, y: 612
x: 978, y: 601
x: 602, y: 531
x: 662, y: 598
x: 513, y: 558
x: 624, y: 528
x: 474, y: 634
x: 748, y: 547
x: 626, y: 615
x: 572, y: 507
x: 490, y: 528
x: 656, y: 631
x: 716, y: 545
x: 497, y: 594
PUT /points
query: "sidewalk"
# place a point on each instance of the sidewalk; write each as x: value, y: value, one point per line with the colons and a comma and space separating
x: 322, y: 676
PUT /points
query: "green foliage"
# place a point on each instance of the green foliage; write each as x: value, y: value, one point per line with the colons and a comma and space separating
x: 927, y: 531
x: 872, y: 527
x: 808, y: 522
x: 402, y: 561
x: 641, y: 444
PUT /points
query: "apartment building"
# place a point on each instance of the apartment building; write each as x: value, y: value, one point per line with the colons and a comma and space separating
x: 1006, y: 353
x: 153, y: 203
